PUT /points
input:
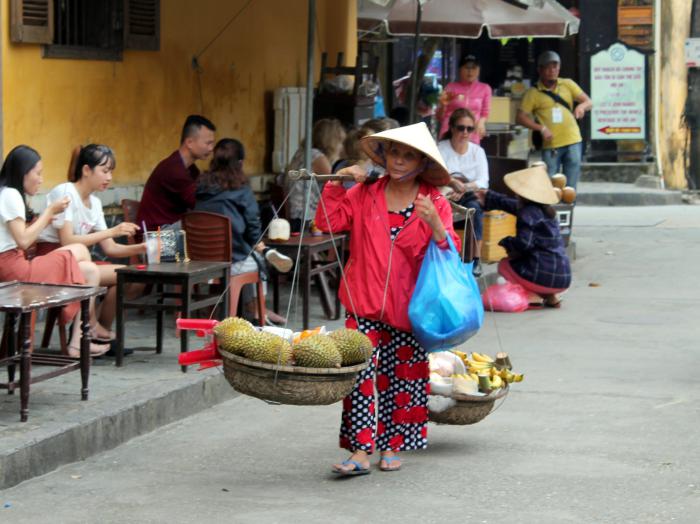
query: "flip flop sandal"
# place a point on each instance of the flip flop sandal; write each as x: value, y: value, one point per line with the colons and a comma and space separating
x: 536, y: 305
x: 101, y: 340
x: 555, y: 305
x: 388, y: 461
x: 357, y: 469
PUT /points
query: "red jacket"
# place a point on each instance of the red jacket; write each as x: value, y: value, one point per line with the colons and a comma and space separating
x: 362, y: 211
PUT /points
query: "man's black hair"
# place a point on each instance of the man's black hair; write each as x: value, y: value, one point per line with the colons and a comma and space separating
x: 193, y: 124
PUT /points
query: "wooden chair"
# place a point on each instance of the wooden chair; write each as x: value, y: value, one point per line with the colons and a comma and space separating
x: 130, y: 209
x: 469, y: 245
x: 208, y: 237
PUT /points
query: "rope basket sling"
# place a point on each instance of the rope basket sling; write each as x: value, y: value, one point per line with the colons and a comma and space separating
x: 470, y: 409
x: 293, y: 385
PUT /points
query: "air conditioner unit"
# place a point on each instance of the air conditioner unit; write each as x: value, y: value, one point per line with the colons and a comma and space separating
x: 290, y: 114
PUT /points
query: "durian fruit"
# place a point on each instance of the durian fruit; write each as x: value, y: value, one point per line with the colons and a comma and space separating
x: 354, y: 347
x: 226, y: 333
x: 317, y: 351
x: 235, y: 342
x: 266, y: 347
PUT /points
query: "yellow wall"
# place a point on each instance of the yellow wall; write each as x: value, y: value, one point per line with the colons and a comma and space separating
x: 137, y: 106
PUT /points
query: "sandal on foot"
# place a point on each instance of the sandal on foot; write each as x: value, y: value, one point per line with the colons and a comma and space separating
x: 102, y: 339
x: 555, y: 305
x: 96, y: 350
x: 388, y: 461
x: 357, y: 469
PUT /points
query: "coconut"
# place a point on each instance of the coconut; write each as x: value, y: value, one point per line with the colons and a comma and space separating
x: 279, y: 229
x: 568, y: 194
x: 559, y: 180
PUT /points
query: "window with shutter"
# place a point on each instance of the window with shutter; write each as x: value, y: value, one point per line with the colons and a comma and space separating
x: 31, y: 21
x: 142, y: 24
x: 90, y: 30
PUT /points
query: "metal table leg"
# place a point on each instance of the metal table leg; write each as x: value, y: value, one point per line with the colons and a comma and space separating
x: 159, y: 321
x: 186, y: 293
x: 306, y: 286
x: 25, y: 378
x: 11, y: 326
x: 84, y: 347
x: 120, y: 320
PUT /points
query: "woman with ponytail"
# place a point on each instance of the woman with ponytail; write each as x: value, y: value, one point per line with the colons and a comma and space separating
x: 83, y: 222
x: 20, y: 227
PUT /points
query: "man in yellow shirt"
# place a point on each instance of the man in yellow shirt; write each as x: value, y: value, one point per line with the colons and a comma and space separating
x: 549, y: 108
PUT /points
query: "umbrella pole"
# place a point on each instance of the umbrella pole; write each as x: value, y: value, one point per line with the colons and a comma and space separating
x: 412, y: 100
x: 309, y: 83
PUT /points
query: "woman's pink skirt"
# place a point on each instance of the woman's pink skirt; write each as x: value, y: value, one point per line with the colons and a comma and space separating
x: 58, y: 267
x: 507, y: 272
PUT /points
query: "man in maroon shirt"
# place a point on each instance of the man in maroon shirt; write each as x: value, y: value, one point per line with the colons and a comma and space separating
x: 169, y: 191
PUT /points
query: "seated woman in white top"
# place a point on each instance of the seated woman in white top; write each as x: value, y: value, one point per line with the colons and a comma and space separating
x: 83, y: 222
x: 21, y: 175
x: 466, y: 162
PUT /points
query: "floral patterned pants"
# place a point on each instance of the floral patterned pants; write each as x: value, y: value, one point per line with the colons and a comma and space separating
x: 387, y: 408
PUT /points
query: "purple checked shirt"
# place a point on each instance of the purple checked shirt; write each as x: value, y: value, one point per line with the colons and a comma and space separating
x: 537, y: 251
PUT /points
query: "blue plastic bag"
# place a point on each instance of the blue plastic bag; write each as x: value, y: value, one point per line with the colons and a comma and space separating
x: 446, y: 308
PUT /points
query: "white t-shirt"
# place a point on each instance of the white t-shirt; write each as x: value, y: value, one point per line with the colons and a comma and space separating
x: 84, y: 219
x: 472, y: 164
x: 11, y: 207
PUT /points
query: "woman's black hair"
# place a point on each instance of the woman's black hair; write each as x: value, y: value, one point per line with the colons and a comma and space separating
x: 226, y: 168
x: 20, y: 161
x: 93, y: 155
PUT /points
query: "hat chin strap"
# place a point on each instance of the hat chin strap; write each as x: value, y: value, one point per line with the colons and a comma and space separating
x: 417, y: 171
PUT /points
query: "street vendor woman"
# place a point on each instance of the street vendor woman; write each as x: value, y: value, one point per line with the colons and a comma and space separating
x: 391, y: 223
x: 536, y: 258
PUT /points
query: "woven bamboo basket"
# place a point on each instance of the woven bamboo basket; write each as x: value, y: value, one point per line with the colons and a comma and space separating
x: 470, y: 409
x: 289, y: 384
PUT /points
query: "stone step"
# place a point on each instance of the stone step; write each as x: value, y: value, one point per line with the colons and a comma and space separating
x: 620, y: 194
x: 623, y: 172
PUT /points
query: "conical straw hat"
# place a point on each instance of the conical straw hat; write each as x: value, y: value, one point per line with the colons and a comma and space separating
x: 533, y: 184
x: 416, y: 136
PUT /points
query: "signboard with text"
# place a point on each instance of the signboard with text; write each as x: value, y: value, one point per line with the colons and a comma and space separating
x: 618, y: 91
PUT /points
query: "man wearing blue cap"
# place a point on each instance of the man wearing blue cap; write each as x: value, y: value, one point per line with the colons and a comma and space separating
x: 553, y: 108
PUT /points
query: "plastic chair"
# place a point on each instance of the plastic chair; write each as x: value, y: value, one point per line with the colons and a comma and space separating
x: 208, y: 237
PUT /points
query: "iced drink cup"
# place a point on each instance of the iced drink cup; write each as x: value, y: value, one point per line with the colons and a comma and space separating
x: 152, y: 251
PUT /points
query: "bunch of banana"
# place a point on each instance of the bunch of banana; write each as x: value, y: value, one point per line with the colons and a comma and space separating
x: 462, y: 355
x: 464, y: 384
x: 489, y: 374
x: 499, y: 378
x: 479, y: 363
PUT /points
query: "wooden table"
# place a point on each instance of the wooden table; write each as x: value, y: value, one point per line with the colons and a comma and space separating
x: 310, y: 264
x: 186, y: 276
x: 22, y: 299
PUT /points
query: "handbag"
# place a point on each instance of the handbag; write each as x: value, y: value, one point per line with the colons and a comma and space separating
x: 167, y: 245
x: 537, y: 138
x: 446, y: 308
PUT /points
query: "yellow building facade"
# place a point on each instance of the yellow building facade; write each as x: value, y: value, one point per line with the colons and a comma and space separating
x: 137, y: 105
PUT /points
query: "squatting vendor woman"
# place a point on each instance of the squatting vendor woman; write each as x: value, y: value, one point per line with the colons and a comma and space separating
x: 536, y: 255
x: 391, y: 223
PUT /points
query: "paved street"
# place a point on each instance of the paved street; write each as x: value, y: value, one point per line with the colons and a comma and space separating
x: 603, y: 429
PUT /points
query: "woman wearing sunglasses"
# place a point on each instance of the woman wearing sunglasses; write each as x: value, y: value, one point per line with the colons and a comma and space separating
x: 466, y: 162
x: 466, y: 93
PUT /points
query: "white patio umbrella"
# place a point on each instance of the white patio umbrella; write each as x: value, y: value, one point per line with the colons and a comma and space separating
x: 465, y: 19
x: 469, y: 18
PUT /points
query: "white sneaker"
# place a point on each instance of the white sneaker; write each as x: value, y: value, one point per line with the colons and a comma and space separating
x: 280, y: 262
